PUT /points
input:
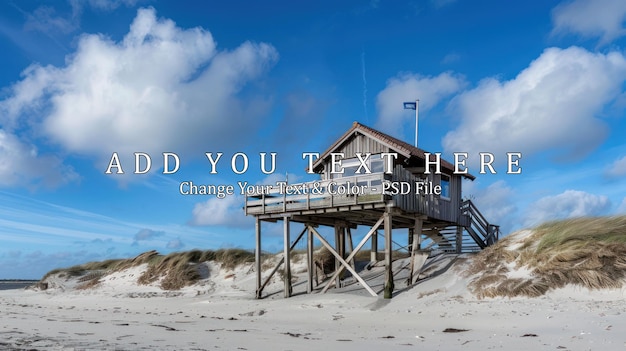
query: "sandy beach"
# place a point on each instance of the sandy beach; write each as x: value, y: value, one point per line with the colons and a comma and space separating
x: 221, y: 313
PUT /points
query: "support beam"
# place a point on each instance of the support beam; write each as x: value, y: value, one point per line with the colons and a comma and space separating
x: 343, y: 262
x: 257, y: 257
x: 309, y: 259
x: 459, y: 239
x: 287, y: 253
x: 374, y: 250
x: 350, y: 245
x: 352, y: 255
x: 388, y: 291
x: 415, y: 246
x: 338, y: 248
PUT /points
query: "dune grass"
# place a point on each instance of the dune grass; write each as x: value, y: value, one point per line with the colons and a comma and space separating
x: 579, y: 232
x: 174, y: 271
x: 587, y: 252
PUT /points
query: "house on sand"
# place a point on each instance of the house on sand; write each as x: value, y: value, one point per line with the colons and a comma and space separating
x: 369, y: 178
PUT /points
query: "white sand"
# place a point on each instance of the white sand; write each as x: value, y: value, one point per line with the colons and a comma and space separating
x: 220, y: 313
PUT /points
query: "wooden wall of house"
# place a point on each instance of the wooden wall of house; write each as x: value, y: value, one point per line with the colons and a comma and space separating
x: 431, y: 205
x: 449, y: 209
x: 455, y: 196
x: 359, y: 143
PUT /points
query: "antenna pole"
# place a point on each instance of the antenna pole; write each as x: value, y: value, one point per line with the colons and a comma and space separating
x: 417, y: 109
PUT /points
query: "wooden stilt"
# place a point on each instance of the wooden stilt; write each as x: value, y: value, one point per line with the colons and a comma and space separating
x: 338, y: 249
x: 420, y: 238
x: 388, y: 292
x: 257, y: 257
x: 342, y: 241
x: 374, y: 250
x: 415, y: 246
x: 459, y: 239
x: 409, y: 280
x: 350, y: 245
x: 287, y: 267
x: 309, y: 260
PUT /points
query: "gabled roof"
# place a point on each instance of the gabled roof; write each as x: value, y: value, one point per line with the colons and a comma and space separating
x: 405, y: 149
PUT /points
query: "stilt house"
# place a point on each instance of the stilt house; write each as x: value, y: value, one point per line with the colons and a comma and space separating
x: 388, y: 198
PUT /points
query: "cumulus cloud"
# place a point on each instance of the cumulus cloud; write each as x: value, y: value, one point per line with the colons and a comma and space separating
x: 147, y: 234
x: 551, y: 105
x: 617, y: 168
x: 175, y: 244
x: 229, y: 211
x: 602, y: 19
x: 161, y: 87
x: 408, y: 87
x: 22, y: 165
x: 226, y: 212
x: 569, y: 204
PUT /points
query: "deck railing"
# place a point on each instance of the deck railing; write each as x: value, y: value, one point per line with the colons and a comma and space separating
x: 355, y: 190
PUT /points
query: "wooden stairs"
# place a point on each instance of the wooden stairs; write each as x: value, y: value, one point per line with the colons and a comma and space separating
x: 476, y: 233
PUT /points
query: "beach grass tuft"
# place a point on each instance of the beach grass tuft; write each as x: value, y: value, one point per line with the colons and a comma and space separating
x: 173, y: 271
x: 588, y: 252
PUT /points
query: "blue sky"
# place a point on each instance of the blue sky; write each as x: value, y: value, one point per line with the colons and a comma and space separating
x: 81, y: 80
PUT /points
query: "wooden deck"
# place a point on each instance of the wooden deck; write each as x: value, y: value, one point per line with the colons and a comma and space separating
x: 346, y: 194
x: 319, y: 195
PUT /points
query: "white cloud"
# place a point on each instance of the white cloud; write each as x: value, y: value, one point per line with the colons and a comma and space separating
x: 229, y: 211
x: 603, y: 19
x: 45, y: 19
x: 147, y: 234
x: 569, y: 204
x: 617, y: 169
x: 408, y: 87
x: 226, y: 212
x: 175, y: 244
x: 160, y: 88
x: 552, y: 104
x: 21, y: 165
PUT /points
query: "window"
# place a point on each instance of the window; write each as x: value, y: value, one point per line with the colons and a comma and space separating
x: 445, y: 186
x: 350, y: 165
x: 376, y: 164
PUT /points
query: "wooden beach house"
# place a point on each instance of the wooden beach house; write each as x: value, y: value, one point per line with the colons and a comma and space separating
x: 386, y: 185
